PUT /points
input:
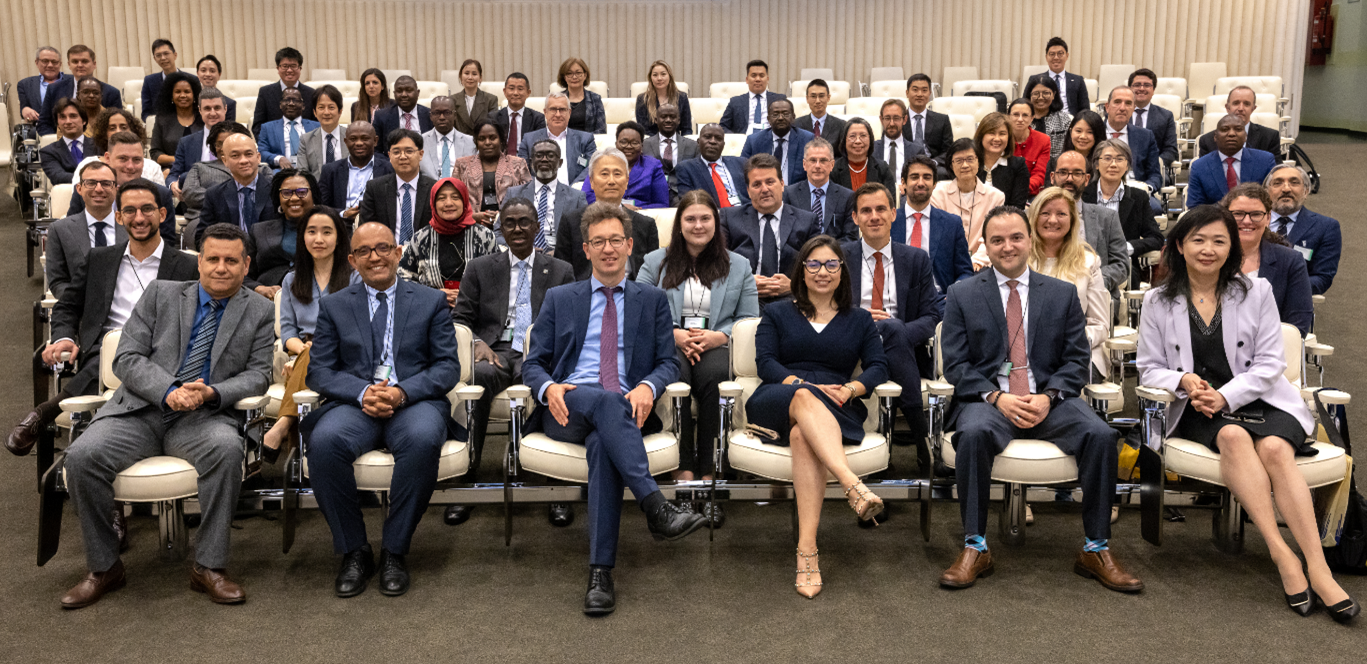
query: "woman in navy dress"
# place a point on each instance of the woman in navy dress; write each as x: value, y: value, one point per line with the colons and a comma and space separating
x: 806, y: 349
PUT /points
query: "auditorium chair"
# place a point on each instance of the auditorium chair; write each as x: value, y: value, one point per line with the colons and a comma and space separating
x: 165, y: 481
x: 330, y: 75
x: 132, y: 94
x: 664, y: 222
x: 429, y: 89
x: 1111, y: 76
x: 1264, y: 102
x: 840, y: 90
x: 392, y: 75
x: 706, y: 110
x: 1201, y: 78
x: 607, y: 139
x: 800, y: 107
x: 824, y: 73
x: 1171, y: 86
x: 867, y: 106
x: 1271, y: 85
x: 1174, y: 104
x: 961, y: 88
x: 494, y: 88
x: 1198, y: 466
x: 887, y: 89
x: 537, y: 104
x: 951, y: 76
x: 599, y: 87
x: 884, y: 75
x: 269, y: 75
x: 346, y: 87
x: 962, y: 125
x: 619, y: 109
x: 639, y: 88
x: 1027, y: 71
x: 118, y: 77
x: 735, y: 144
x: 727, y: 90
x: 244, y: 87
x: 978, y: 107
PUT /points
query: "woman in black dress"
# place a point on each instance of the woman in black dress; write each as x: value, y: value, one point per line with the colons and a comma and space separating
x: 1233, y: 395
x: 806, y: 349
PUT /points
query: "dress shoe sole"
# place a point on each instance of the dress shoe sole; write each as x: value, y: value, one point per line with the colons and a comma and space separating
x: 360, y: 589
x: 696, y: 526
x: 1082, y: 571
x: 960, y: 586
x: 114, y: 586
x: 199, y: 588
x: 600, y: 611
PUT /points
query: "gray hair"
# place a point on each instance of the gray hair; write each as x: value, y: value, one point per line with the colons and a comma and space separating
x: 37, y: 54
x: 211, y: 93
x: 559, y: 94
x: 1115, y: 144
x: 608, y: 152
x: 1305, y: 177
x: 818, y: 143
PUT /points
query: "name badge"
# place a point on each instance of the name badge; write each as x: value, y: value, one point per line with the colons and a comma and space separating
x: 695, y: 322
x: 583, y: 160
x: 1005, y: 371
x: 507, y: 334
x: 734, y: 199
x: 1305, y: 252
x: 383, y: 373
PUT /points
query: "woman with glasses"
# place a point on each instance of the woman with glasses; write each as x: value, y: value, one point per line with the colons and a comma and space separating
x: 586, y: 107
x: 806, y: 349
x: 490, y: 172
x: 274, y: 241
x: 647, y: 186
x: 1049, y: 116
x: 857, y: 164
x: 1267, y: 255
x: 438, y: 253
x: 1111, y: 161
x: 967, y: 197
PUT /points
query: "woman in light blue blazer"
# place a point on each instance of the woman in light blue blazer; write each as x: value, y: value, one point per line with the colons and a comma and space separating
x: 1212, y: 335
x: 709, y: 289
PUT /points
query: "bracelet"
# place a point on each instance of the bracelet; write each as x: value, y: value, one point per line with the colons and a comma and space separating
x: 850, y: 388
x: 994, y: 398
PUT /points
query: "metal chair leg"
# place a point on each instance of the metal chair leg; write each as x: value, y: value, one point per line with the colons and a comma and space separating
x: 1152, y: 485
x: 1013, y: 515
x: 174, y: 535
x: 1227, y: 525
x: 50, y: 501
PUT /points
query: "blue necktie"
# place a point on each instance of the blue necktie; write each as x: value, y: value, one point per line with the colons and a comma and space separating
x: 101, y: 240
x: 244, y: 200
x: 542, y: 214
x: 332, y: 149
x: 406, y: 215
x: 522, y: 315
x: 445, y: 157
x: 378, y: 323
x: 758, y: 103
x: 819, y: 210
x: 192, y: 368
x: 294, y: 140
x: 76, y: 153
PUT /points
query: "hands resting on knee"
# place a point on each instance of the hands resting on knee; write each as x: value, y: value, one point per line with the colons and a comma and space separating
x: 642, y: 401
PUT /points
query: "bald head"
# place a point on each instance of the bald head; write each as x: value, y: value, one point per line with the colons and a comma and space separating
x: 360, y: 142
x: 374, y: 255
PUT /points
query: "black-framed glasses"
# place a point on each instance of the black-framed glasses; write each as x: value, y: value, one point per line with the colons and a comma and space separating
x: 814, y: 266
x: 509, y: 223
x: 1240, y: 215
x: 146, y: 210
x: 616, y: 242
x: 383, y: 249
x: 295, y: 193
x: 99, y: 184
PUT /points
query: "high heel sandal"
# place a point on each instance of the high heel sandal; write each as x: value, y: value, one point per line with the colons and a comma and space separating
x: 866, y: 504
x: 809, y: 571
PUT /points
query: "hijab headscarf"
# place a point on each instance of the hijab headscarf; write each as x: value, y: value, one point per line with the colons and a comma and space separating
x: 467, y: 219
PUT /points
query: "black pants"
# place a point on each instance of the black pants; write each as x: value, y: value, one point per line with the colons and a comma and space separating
x: 697, y: 438
x: 494, y: 379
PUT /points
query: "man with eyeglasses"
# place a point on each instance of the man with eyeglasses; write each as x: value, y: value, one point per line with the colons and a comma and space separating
x: 1215, y: 173
x: 1152, y: 117
x: 826, y: 200
x: 33, y: 90
x: 576, y: 146
x: 1315, y: 236
x: 402, y: 200
x: 246, y: 198
x: 289, y: 63
x: 553, y: 199
x: 69, y: 239
x: 445, y: 143
x: 1144, y: 166
x: 1100, y: 225
x: 767, y: 231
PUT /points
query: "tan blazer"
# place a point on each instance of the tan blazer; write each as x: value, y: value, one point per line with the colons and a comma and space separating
x: 945, y: 197
x: 511, y: 171
x: 485, y: 104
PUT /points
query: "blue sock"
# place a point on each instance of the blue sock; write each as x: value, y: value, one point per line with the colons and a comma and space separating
x: 1094, y: 545
x: 977, y: 542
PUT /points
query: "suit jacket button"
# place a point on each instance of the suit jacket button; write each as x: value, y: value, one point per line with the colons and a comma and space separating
x: 1179, y: 368
x: 1248, y: 363
x: 1241, y: 344
x: 1177, y: 347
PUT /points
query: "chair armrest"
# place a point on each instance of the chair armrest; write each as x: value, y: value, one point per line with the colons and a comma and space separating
x: 888, y: 390
x: 1317, y: 299
x: 730, y: 389
x: 49, y: 303
x: 469, y: 392
x: 1155, y: 394
x: 83, y: 404
x: 519, y: 392
x: 1332, y: 397
x: 1101, y: 391
x: 940, y: 388
x: 1150, y: 258
x: 676, y: 390
x: 253, y: 403
x: 1121, y: 344
x: 307, y: 397
x: 1318, y: 349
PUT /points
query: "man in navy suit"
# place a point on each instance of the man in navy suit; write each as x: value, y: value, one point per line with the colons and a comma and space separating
x: 1314, y: 235
x: 1015, y: 350
x: 223, y: 202
x: 925, y: 126
x: 164, y: 53
x: 721, y: 176
x: 1154, y: 118
x: 1232, y: 162
x: 80, y: 59
x: 1071, y: 86
x: 33, y: 90
x: 782, y: 140
x: 515, y: 120
x: 406, y: 113
x: 343, y: 182
x: 893, y: 282
x: 194, y: 148
x: 941, y: 234
x: 766, y: 231
x: 576, y: 146
x: 749, y: 113
x: 384, y: 357
x: 1145, y: 166
x: 279, y: 139
x: 817, y: 192
x: 602, y: 351
x: 59, y: 158
x: 289, y: 64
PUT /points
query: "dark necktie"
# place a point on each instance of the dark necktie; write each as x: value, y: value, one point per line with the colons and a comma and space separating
x: 193, y: 366
x: 816, y: 127
x: 1138, y: 119
x: 920, y: 137
x: 669, y: 151
x: 768, y: 253
x: 1019, y: 381
x: 607, y: 343
x: 245, y: 200
x: 1278, y: 226
x: 892, y: 154
x: 332, y: 149
x: 819, y: 210
x: 76, y: 153
x: 379, y: 322
x: 758, y: 104
x: 100, y: 239
x: 511, y: 149
x: 779, y: 153
x: 406, y: 215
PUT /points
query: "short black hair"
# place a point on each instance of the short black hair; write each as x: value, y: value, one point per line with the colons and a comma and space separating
x: 156, y: 44
x: 212, y: 59
x: 400, y: 134
x: 224, y: 231
x: 1002, y: 211
x: 94, y: 163
x: 961, y: 145
x: 756, y: 63
x: 278, y: 181
x: 225, y: 127
x: 1040, y: 79
x: 513, y: 201
x: 289, y: 53
x: 518, y: 74
x: 1056, y: 41
x: 62, y: 105
x: 479, y: 126
x: 138, y: 184
x: 1148, y: 73
x: 924, y: 160
x: 633, y: 126
x: 328, y: 92
x: 871, y: 188
x: 918, y: 77
x: 761, y: 161
x: 818, y: 83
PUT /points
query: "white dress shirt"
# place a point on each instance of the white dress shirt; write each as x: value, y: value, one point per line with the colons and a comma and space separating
x: 469, y: 104
x: 1022, y: 288
x: 910, y: 129
x: 548, y: 228
x: 412, y: 117
x: 1061, y: 79
x: 398, y: 203
x: 90, y: 222
x: 925, y: 226
x: 563, y: 174
x: 1290, y: 222
x: 866, y: 281
x: 339, y: 150
x: 1141, y: 116
x: 134, y: 275
x: 514, y: 140
x: 1123, y: 131
x: 673, y: 148
x: 731, y: 191
x: 697, y: 299
x: 204, y: 153
x: 1238, y: 163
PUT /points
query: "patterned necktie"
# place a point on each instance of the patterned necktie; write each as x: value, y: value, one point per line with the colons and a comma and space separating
x: 522, y: 306
x: 819, y: 210
x: 379, y: 322
x: 768, y: 254
x: 445, y: 157
x: 294, y: 140
x: 723, y: 194
x: 607, y: 344
x: 511, y: 148
x: 193, y: 366
x: 1231, y: 179
x: 542, y: 216
x: 916, y: 229
x: 1278, y: 226
x: 758, y: 103
x: 1019, y: 382
x: 876, y: 302
x: 331, y: 149
x: 408, y: 121
x: 1138, y: 119
x: 669, y: 150
x: 76, y: 153
x: 406, y: 214
x: 101, y: 240
x: 244, y: 201
x: 816, y: 127
x: 917, y: 133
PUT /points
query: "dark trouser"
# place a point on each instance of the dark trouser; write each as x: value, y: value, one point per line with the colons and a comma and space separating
x: 494, y: 379
x: 86, y: 381
x: 414, y: 435
x: 602, y: 422
x: 983, y: 432
x: 903, y: 370
x: 697, y: 437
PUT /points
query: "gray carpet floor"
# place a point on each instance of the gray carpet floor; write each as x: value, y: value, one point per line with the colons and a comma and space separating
x: 732, y: 600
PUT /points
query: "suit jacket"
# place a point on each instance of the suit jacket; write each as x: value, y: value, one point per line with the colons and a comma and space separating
x: 221, y: 206
x: 164, y: 199
x: 342, y: 361
x: 566, y: 199
x: 836, y: 216
x: 950, y: 261
x: 1145, y: 163
x: 268, y: 105
x: 1164, y: 128
x: 938, y: 134
x: 485, y: 103
x: 151, y: 86
x: 569, y: 242
x: 188, y: 153
x: 1284, y: 269
x: 532, y: 120
x: 271, y: 141
x: 332, y: 184
x: 1313, y: 231
x: 796, y: 141
x: 1253, y: 346
x: 736, y: 118
x: 270, y: 263
x: 878, y: 172
x: 1075, y: 89
x: 388, y: 119
x: 909, y: 147
x: 695, y: 174
x: 381, y: 201
x: 30, y: 91
x: 1207, y: 183
x: 482, y: 304
x: 919, y: 304
x: 595, y: 116
x: 313, y: 151
x: 1012, y: 179
x: 832, y: 128
x: 1267, y: 139
x: 156, y: 335
x: 743, y: 234
x: 1101, y: 229
x: 68, y: 244
x: 510, y: 172
x: 733, y: 298
x: 1136, y: 219
x: 685, y: 115
x: 57, y: 161
x: 579, y: 147
x: 685, y: 148
x: 462, y: 145
x: 558, y: 337
x: 110, y: 97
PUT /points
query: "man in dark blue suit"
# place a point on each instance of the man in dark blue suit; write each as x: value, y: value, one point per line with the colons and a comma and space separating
x: 602, y: 351
x: 1072, y: 87
x: 941, y: 234
x: 384, y: 357
x: 766, y: 231
x: 1145, y: 166
x: 1315, y: 236
x: 289, y: 64
x: 1015, y: 350
x: 749, y: 113
x: 278, y: 141
x: 33, y: 89
x: 59, y: 158
x: 164, y: 54
x: 783, y: 140
x: 80, y: 59
x: 1215, y: 173
x: 194, y: 148
x: 1152, y: 117
x: 223, y: 202
x: 817, y: 192
x: 342, y: 184
x: 406, y: 113
x: 711, y: 168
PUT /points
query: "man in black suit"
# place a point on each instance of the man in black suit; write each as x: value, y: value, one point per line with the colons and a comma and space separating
x: 765, y: 230
x: 607, y: 171
x: 80, y: 59
x: 406, y: 113
x: 817, y: 121
x: 60, y: 157
x: 552, y: 199
x: 500, y: 296
x: 124, y: 154
x: 164, y: 54
x: 1015, y: 350
x: 343, y: 182
x: 1071, y: 87
x: 289, y: 63
x: 515, y: 119
x: 195, y: 148
x: 33, y: 90
x: 669, y: 146
x: 1242, y: 101
x: 925, y: 126
x: 1156, y: 119
x: 818, y: 192
x: 896, y: 147
x: 402, y: 201
x: 99, y: 298
x: 246, y: 198
x: 749, y: 113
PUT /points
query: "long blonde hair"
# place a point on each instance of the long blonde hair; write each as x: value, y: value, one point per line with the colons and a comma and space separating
x: 652, y: 97
x: 1071, y: 265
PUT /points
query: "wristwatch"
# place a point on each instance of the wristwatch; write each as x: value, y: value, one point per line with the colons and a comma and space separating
x: 1055, y: 398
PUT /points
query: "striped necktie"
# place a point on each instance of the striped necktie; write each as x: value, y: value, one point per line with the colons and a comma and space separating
x: 542, y: 216
x: 406, y: 215
x: 522, y: 305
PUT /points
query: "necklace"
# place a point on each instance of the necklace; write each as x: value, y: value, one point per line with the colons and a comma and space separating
x: 860, y: 170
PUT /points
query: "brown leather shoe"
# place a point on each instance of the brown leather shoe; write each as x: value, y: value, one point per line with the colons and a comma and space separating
x: 1104, y: 567
x: 965, y: 571
x: 121, y: 528
x: 216, y: 585
x: 94, y: 586
x: 25, y: 434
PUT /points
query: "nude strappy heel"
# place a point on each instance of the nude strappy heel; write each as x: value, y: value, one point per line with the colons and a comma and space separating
x: 808, y: 570
x: 866, y: 504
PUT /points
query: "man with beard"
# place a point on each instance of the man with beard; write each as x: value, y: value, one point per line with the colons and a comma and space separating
x: 552, y: 198
x: 1314, y: 235
x: 931, y: 229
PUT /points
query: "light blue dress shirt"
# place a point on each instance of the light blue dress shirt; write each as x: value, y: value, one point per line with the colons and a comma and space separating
x: 388, y: 357
x: 586, y: 368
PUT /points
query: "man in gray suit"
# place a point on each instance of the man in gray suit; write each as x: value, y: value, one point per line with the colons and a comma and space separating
x: 552, y: 198
x: 577, y: 146
x: 1100, y: 225
x: 443, y: 144
x: 69, y: 239
x: 189, y: 353
x: 669, y: 146
x: 500, y: 296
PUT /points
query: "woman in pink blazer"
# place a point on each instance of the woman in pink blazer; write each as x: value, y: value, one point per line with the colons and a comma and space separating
x: 490, y: 172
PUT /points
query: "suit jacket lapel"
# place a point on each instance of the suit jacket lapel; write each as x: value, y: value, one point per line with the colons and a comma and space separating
x: 503, y: 274
x: 629, y: 314
x: 405, y: 293
x: 189, y: 305
x: 1035, y: 315
x: 581, y: 320
x: 902, y: 274
x: 227, y: 324
x: 785, y: 228
x: 360, y: 310
x: 992, y: 298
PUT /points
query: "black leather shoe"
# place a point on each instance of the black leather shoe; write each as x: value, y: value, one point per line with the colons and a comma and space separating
x: 25, y: 434
x: 713, y: 512
x: 1303, y: 603
x: 560, y: 514
x: 1344, y: 612
x: 393, y: 574
x: 457, y: 514
x: 668, y: 522
x: 600, y: 599
x: 881, y: 517
x: 357, y: 568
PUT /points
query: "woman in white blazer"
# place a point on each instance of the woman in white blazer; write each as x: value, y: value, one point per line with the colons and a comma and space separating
x: 1057, y: 250
x: 1213, y: 336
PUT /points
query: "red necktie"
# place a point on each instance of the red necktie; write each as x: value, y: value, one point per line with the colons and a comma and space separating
x: 816, y: 126
x: 1019, y: 382
x: 408, y: 121
x: 511, y: 150
x: 916, y: 230
x: 723, y: 198
x: 1230, y: 178
x: 877, y: 300
x: 1115, y: 134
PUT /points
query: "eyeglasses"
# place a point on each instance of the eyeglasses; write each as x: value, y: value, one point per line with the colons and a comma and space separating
x: 403, y: 152
x: 1111, y: 159
x: 146, y: 210
x: 1141, y: 86
x: 1071, y: 174
x: 510, y: 224
x: 616, y: 241
x: 575, y: 74
x: 1041, y: 94
x: 362, y: 253
x: 622, y: 143
x: 288, y: 67
x: 295, y: 193
x: 1240, y: 215
x: 965, y: 161
x: 832, y: 265
x: 99, y: 184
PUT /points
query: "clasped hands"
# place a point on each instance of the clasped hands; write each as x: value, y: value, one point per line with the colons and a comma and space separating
x: 1024, y: 412
x: 1205, y: 399
x: 189, y: 396
x: 641, y: 398
x: 773, y: 286
x: 693, y: 342
x: 382, y: 399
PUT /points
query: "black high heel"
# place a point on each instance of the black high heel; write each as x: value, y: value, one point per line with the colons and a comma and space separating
x: 270, y: 454
x: 1344, y: 612
x: 1304, y: 602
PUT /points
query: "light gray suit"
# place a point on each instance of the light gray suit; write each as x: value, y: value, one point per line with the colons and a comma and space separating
x: 68, y: 244
x: 732, y: 300
x: 313, y: 153
x: 685, y: 148
x: 462, y: 145
x: 567, y: 199
x: 1101, y: 229
x: 131, y: 426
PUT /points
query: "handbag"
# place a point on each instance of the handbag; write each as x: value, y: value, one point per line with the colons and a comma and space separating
x: 1343, y: 528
